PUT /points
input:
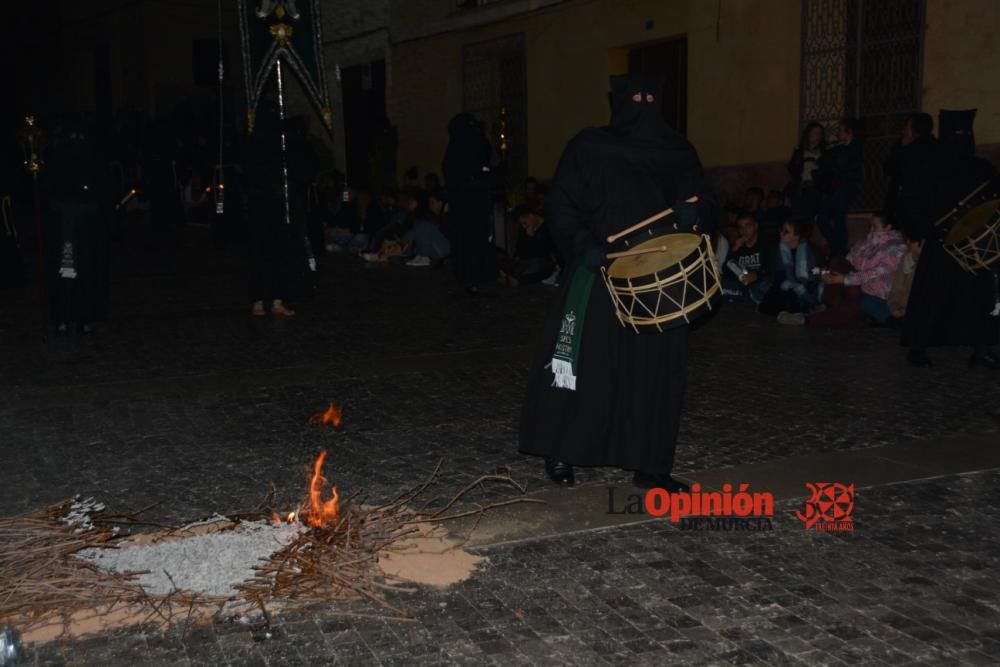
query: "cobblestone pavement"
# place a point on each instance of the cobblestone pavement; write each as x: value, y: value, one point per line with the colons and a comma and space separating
x: 185, y: 401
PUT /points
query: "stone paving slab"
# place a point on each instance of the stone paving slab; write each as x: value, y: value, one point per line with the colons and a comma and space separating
x: 908, y: 586
x: 185, y: 401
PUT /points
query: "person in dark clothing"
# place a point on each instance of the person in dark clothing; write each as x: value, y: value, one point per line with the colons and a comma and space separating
x: 77, y: 231
x: 947, y: 305
x: 839, y: 177
x: 776, y: 212
x: 470, y: 195
x: 803, y: 166
x: 749, y: 265
x: 794, y: 289
x: 600, y: 394
x: 914, y: 171
x: 534, y: 251
x: 279, y: 249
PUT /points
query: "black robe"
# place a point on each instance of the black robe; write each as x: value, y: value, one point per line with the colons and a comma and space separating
x: 279, y: 248
x: 77, y: 230
x: 470, y: 200
x: 625, y: 411
x: 947, y: 305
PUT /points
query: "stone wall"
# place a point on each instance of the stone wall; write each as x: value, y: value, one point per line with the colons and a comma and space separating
x: 742, y: 99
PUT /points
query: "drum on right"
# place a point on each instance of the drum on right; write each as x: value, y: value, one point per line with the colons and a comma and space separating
x: 973, y: 239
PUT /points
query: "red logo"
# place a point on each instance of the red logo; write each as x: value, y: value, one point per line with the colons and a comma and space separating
x: 830, y: 507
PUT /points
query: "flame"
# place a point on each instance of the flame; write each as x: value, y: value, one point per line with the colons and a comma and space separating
x: 321, y: 513
x: 329, y: 418
x: 278, y: 520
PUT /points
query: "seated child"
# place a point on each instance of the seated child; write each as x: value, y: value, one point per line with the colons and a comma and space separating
x: 860, y: 284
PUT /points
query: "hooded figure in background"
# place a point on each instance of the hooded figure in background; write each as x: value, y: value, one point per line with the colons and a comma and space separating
x: 947, y: 304
x: 77, y: 230
x: 622, y: 407
x: 470, y: 187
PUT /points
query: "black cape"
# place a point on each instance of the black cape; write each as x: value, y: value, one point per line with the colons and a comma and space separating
x: 947, y: 305
x: 625, y: 411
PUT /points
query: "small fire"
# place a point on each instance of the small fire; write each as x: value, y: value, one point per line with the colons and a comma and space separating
x: 329, y: 418
x: 321, y: 513
x: 288, y: 519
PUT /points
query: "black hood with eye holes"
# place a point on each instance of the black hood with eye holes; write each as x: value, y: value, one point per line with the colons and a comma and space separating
x: 642, y: 120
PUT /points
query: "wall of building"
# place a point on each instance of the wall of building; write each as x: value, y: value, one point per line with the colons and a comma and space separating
x: 354, y: 33
x: 962, y: 61
x: 742, y: 101
x: 151, y: 51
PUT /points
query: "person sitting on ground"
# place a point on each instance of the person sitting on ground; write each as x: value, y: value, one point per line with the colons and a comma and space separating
x: 534, y: 253
x: 388, y: 241
x: 427, y: 235
x: 748, y: 265
x: 860, y: 284
x: 795, y: 289
x: 357, y: 221
x: 899, y: 293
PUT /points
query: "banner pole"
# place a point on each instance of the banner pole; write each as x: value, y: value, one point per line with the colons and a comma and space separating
x: 284, y: 145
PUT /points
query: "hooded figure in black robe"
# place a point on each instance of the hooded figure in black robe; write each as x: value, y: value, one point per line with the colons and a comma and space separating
x: 279, y: 249
x: 77, y: 230
x: 625, y: 409
x: 947, y: 305
x: 470, y: 186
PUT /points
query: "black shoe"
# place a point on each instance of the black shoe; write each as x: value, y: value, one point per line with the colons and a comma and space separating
x: 988, y: 360
x: 647, y: 481
x: 918, y: 358
x: 559, y: 472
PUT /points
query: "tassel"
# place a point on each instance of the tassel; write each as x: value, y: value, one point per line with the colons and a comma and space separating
x: 562, y: 374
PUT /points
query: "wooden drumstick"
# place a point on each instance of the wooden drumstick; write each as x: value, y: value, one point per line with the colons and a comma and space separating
x: 962, y: 203
x: 648, y: 221
x: 636, y: 251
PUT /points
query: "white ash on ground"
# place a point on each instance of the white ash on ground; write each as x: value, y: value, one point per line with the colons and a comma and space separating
x: 79, y: 514
x: 209, y: 562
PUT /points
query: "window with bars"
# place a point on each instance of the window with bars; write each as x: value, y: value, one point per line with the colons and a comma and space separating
x: 863, y: 59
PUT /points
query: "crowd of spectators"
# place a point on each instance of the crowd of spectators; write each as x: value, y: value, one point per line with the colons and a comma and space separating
x: 788, y: 252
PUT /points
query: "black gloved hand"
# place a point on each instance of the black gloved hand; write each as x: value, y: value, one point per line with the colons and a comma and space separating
x: 593, y: 258
x: 686, y: 215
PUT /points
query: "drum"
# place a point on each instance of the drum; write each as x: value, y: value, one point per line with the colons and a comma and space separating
x: 974, y: 241
x: 665, y: 282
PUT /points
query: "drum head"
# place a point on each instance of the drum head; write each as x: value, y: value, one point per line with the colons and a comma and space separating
x: 675, y: 248
x: 972, y: 222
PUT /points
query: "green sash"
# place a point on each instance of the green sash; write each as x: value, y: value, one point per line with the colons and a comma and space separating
x: 566, y: 357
